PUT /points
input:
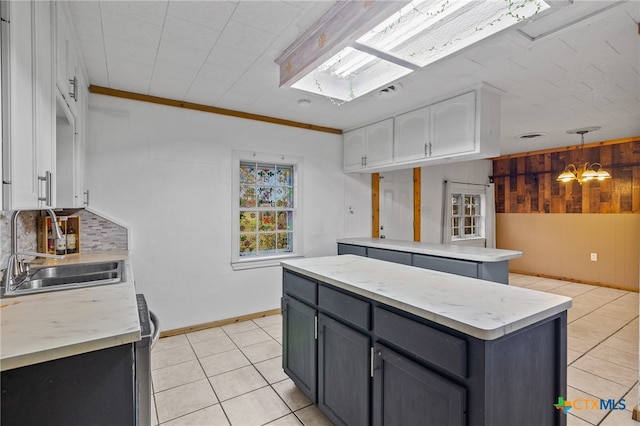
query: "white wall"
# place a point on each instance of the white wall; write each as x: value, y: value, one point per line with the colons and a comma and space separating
x: 358, y: 196
x: 166, y: 173
x: 432, y: 187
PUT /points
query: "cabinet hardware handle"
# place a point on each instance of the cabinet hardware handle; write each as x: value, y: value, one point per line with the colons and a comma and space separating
x: 429, y: 149
x: 48, y: 185
x: 74, y: 82
x: 365, y: 161
x: 372, y: 350
x: 426, y: 153
x: 86, y: 198
x: 315, y: 326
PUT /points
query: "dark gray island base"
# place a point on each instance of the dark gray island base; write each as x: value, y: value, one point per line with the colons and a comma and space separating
x: 365, y: 362
x: 474, y: 262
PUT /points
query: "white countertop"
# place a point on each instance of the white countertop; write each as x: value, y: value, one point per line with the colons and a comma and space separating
x: 482, y: 309
x: 478, y: 254
x: 45, y: 326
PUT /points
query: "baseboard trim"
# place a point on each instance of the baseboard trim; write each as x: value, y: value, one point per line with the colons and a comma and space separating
x: 183, y: 330
x: 573, y: 280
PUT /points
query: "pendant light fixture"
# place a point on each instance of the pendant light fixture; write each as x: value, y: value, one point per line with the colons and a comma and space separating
x: 586, y: 171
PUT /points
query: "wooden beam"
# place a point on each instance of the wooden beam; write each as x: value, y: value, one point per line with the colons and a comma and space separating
x: 99, y: 90
x: 568, y: 148
x: 416, y: 202
x: 375, y: 205
x: 341, y: 25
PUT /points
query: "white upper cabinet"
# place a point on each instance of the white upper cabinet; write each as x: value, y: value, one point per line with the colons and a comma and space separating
x: 368, y: 147
x: 28, y: 151
x: 71, y: 113
x: 67, y: 68
x: 353, y: 149
x: 460, y: 128
x: 412, y: 135
x: 453, y: 126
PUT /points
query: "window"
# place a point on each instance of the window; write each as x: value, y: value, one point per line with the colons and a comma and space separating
x: 466, y: 216
x: 266, y: 211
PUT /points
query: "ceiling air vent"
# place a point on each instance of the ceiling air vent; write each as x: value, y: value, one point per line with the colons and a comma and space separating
x: 532, y: 135
x: 389, y: 91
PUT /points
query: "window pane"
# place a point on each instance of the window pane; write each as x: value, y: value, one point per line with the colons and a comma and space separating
x: 284, y: 176
x: 285, y: 221
x: 266, y: 197
x: 267, y: 243
x: 266, y: 175
x: 247, y: 196
x: 284, y: 197
x: 455, y: 204
x: 285, y: 242
x: 247, y: 173
x: 267, y: 221
x: 247, y: 244
x: 248, y: 222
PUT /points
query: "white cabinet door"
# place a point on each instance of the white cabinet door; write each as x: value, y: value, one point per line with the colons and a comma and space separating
x: 28, y: 153
x: 62, y: 46
x: 66, y: 148
x: 71, y: 106
x: 368, y: 147
x: 453, y: 125
x: 379, y: 143
x: 66, y: 59
x: 44, y: 100
x: 412, y: 135
x: 353, y: 149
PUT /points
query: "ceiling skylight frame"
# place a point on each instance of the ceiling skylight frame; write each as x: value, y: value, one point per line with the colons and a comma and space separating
x: 322, y: 61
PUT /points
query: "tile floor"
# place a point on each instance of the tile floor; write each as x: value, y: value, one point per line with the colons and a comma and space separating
x: 232, y: 375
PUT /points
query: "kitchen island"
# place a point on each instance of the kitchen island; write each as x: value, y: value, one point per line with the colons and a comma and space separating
x: 373, y: 342
x: 476, y: 262
x: 66, y: 356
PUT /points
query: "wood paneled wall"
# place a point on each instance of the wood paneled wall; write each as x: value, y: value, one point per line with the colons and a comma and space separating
x: 526, y: 183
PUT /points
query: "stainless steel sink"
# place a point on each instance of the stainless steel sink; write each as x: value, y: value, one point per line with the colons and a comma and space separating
x: 64, y: 277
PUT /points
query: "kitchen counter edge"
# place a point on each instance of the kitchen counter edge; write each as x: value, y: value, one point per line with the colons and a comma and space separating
x: 45, y: 326
x: 462, y: 252
x: 436, y: 296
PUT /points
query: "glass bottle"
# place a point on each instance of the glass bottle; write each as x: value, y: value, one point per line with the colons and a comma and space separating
x: 71, y: 239
x: 51, y: 242
x: 61, y: 243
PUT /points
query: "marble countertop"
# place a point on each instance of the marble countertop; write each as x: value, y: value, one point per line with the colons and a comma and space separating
x: 478, y: 254
x: 482, y: 309
x: 45, y: 326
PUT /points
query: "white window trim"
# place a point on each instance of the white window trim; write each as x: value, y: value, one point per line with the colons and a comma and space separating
x: 479, y: 227
x: 485, y: 225
x: 240, y: 263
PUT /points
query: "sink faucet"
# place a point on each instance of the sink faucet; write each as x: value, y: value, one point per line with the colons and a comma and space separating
x: 15, y: 274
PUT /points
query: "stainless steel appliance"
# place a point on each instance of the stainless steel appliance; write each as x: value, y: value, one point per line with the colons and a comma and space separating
x: 150, y: 331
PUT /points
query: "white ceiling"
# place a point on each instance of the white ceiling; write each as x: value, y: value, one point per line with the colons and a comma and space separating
x: 222, y: 53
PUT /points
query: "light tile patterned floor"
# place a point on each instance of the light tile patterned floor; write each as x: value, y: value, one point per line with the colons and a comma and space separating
x: 602, y: 347
x: 232, y: 375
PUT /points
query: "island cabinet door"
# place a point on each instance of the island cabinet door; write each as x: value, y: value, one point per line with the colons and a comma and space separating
x: 344, y: 373
x: 406, y: 393
x: 299, y: 353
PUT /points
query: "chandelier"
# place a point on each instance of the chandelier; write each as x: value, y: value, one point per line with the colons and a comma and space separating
x: 585, y: 171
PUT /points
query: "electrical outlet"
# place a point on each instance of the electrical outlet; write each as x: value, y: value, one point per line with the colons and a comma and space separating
x: 594, y: 257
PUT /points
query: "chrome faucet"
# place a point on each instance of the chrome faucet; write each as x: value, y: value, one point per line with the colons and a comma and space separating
x: 16, y: 273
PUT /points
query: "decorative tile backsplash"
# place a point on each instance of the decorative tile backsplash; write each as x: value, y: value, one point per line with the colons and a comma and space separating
x: 96, y: 233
